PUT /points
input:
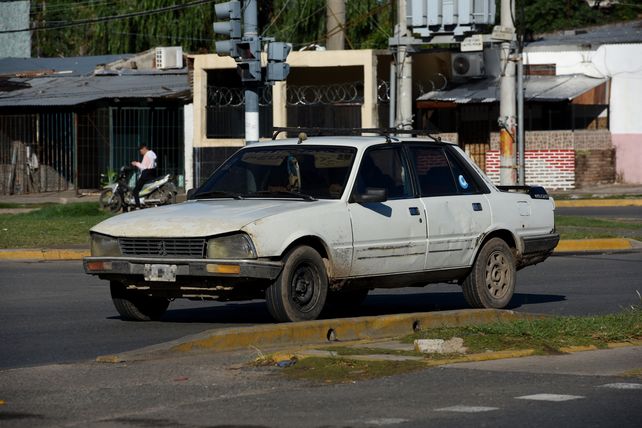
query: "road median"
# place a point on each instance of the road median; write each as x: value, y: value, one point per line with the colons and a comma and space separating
x: 584, y: 203
x: 43, y: 254
x: 274, y: 336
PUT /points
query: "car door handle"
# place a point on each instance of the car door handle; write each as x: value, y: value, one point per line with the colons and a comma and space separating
x: 414, y: 211
x: 477, y: 206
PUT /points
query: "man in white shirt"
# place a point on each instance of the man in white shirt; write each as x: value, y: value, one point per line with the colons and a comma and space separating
x: 147, y: 170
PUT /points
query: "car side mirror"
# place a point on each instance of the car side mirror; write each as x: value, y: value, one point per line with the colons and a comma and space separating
x: 190, y: 194
x: 372, y: 194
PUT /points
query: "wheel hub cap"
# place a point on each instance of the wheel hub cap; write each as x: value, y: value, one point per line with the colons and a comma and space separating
x: 498, y: 275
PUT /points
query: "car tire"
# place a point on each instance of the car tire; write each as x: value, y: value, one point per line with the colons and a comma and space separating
x: 109, y: 201
x: 491, y: 281
x: 135, y: 306
x: 299, y: 292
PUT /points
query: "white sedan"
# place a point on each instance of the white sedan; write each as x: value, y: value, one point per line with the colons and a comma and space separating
x: 304, y: 222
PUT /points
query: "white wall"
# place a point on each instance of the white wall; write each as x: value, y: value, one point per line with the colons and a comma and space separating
x: 621, y: 63
x: 188, y: 138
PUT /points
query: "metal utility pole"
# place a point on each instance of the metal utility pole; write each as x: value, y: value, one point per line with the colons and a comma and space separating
x: 403, y: 117
x: 507, y: 128
x: 335, y: 25
x: 250, y: 32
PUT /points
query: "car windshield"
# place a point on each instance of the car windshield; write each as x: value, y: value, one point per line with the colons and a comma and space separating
x: 301, y: 172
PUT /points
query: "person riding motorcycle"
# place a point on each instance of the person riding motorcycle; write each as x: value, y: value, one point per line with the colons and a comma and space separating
x: 147, y: 170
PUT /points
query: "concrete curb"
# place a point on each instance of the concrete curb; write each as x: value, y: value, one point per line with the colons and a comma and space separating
x: 599, y: 203
x: 604, y: 244
x: 469, y: 358
x: 317, y: 332
x: 44, y: 254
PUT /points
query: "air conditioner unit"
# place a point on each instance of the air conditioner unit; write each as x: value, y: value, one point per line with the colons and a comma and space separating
x: 169, y: 57
x: 468, y: 65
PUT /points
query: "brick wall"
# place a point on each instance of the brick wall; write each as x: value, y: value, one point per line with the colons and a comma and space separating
x: 594, y: 167
x: 562, y: 159
x: 553, y: 169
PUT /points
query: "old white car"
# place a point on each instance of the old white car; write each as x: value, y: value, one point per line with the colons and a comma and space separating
x: 300, y: 222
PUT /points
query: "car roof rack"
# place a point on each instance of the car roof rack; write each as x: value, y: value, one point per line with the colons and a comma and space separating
x: 385, y: 132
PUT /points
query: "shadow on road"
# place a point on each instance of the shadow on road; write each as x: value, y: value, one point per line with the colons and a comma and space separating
x: 255, y: 312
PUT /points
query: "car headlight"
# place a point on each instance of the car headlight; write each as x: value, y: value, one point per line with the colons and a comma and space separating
x: 238, y: 246
x: 104, y: 246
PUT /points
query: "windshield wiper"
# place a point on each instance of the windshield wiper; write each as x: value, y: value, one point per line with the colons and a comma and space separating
x: 218, y: 194
x: 283, y: 193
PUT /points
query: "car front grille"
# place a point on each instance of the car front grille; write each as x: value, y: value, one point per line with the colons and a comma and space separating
x: 182, y: 247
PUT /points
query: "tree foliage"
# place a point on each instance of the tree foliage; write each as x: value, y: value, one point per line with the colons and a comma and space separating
x: 542, y: 16
x: 369, y: 23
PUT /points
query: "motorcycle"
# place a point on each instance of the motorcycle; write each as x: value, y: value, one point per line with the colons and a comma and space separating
x: 118, y: 195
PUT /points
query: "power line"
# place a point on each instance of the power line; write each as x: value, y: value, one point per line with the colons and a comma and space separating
x: 111, y: 18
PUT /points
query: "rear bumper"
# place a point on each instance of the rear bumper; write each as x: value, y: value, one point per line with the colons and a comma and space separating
x: 119, y: 267
x: 541, y: 243
x: 538, y: 248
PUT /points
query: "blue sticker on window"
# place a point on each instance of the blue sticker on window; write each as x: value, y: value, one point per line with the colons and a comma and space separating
x: 462, y: 182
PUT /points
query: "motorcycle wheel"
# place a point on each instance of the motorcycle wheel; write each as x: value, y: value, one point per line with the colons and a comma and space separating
x: 171, y: 198
x: 109, y: 201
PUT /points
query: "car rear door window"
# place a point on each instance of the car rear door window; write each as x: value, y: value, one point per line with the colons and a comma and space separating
x: 433, y: 171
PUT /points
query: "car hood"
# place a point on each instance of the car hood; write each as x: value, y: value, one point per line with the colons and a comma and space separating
x: 196, y: 218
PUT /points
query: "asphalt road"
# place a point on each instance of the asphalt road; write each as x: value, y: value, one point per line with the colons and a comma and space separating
x: 574, y: 391
x: 613, y: 212
x: 52, y: 312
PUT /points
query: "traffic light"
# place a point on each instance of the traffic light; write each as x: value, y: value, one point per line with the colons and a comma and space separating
x: 229, y: 10
x: 277, y: 68
x: 249, y: 59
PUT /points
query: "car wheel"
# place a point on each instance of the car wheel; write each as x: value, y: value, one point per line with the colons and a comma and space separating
x: 300, y: 290
x: 135, y: 306
x: 110, y: 201
x: 491, y: 281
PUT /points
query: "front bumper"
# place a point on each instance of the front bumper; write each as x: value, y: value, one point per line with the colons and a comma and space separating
x: 113, y: 267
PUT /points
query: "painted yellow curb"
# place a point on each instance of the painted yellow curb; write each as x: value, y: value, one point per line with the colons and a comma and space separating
x: 44, y: 254
x: 604, y: 244
x: 317, y: 332
x: 578, y: 348
x: 617, y: 345
x: 599, y: 203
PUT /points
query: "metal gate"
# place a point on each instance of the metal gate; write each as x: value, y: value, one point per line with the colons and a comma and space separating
x: 327, y: 106
x: 161, y: 128
x: 37, y: 152
x: 474, y: 132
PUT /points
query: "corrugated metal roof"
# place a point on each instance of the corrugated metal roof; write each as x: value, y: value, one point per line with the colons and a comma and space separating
x: 72, y: 66
x: 537, y: 88
x: 590, y: 37
x: 69, y: 91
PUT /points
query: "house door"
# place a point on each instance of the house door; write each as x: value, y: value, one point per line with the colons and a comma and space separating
x: 474, y: 133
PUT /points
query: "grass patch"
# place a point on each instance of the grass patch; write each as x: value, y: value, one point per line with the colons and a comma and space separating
x: 591, y: 222
x: 636, y: 373
x: 576, y: 197
x: 51, y: 226
x: 546, y: 336
x: 576, y: 227
x: 338, y: 370
x: 347, y: 350
x: 12, y: 205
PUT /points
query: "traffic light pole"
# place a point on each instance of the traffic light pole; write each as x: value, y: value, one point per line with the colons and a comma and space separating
x: 507, y: 122
x: 245, y: 48
x: 250, y: 31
